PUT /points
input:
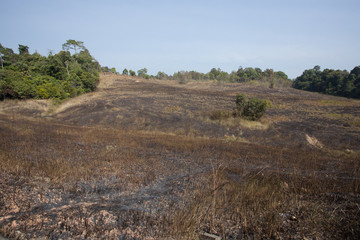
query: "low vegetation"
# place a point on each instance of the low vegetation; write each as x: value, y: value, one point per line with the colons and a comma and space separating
x: 250, y: 109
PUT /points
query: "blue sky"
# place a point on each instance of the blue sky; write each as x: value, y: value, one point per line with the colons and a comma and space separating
x: 169, y: 36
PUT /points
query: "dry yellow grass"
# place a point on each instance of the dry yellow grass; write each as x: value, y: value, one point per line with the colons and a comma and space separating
x: 141, y: 159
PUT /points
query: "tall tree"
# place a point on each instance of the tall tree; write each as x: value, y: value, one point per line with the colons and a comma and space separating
x: 23, y: 49
x: 73, y: 45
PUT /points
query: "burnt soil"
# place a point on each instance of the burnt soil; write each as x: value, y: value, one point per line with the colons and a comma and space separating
x: 168, y: 146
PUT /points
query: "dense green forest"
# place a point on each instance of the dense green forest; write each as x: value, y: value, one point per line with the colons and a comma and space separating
x: 329, y: 81
x: 70, y: 72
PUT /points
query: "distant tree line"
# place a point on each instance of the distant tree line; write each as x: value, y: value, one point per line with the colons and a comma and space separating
x: 70, y: 72
x: 329, y: 81
x: 216, y: 74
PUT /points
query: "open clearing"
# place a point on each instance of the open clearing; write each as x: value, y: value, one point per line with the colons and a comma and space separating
x: 142, y: 159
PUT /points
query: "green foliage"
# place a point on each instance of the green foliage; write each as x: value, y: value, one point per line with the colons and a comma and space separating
x: 57, y: 76
x: 161, y: 75
x: 73, y: 45
x: 248, y: 108
x: 241, y: 102
x: 125, y: 72
x: 252, y: 109
x: 329, y: 81
x: 132, y: 73
x: 23, y: 49
x: 143, y: 73
x: 241, y: 75
x: 16, y: 85
x: 255, y: 108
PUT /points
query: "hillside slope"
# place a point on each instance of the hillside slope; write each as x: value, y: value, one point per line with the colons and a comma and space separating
x: 142, y: 159
x: 166, y: 106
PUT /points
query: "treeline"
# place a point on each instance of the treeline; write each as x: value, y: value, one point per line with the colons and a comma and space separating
x: 216, y: 74
x: 329, y: 81
x: 70, y: 72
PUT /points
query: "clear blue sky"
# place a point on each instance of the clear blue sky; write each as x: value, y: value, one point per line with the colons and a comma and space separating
x: 286, y: 35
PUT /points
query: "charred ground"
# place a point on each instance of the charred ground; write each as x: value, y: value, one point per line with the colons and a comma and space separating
x: 143, y: 159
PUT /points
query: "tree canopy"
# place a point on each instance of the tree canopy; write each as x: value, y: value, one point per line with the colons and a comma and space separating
x: 329, y: 81
x: 73, y: 45
x: 59, y: 76
x: 241, y: 75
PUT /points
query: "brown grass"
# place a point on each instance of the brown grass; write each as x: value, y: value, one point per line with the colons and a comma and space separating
x: 143, y: 159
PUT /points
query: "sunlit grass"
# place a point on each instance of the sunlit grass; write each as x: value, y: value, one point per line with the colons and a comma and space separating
x: 179, y: 168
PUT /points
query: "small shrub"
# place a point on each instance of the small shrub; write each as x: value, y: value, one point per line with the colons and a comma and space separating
x: 252, y: 109
x: 255, y: 108
x: 241, y: 102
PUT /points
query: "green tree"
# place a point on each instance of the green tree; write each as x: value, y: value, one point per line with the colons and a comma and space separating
x: 329, y: 81
x: 354, y: 80
x: 132, y: 73
x: 161, y: 75
x: 125, y: 72
x: 310, y: 80
x: 251, y: 73
x: 113, y: 70
x: 142, y: 72
x: 73, y: 45
x: 241, y: 75
x: 15, y: 84
x: 23, y: 50
x: 56, y: 76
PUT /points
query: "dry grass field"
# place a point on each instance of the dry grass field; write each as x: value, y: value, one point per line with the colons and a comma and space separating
x: 145, y: 159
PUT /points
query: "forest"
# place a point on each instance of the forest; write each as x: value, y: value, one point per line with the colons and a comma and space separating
x: 69, y: 73
x: 329, y: 81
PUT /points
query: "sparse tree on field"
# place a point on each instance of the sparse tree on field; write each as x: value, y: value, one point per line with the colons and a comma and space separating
x: 142, y: 72
x: 132, y: 73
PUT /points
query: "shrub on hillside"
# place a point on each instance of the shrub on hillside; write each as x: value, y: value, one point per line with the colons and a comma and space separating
x: 241, y: 102
x: 252, y: 109
x: 255, y: 108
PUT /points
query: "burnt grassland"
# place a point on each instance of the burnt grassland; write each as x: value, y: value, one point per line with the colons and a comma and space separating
x: 161, y: 160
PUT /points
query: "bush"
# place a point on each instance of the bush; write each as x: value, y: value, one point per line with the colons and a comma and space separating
x: 252, y: 109
x: 132, y: 73
x: 16, y: 85
x: 241, y: 102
